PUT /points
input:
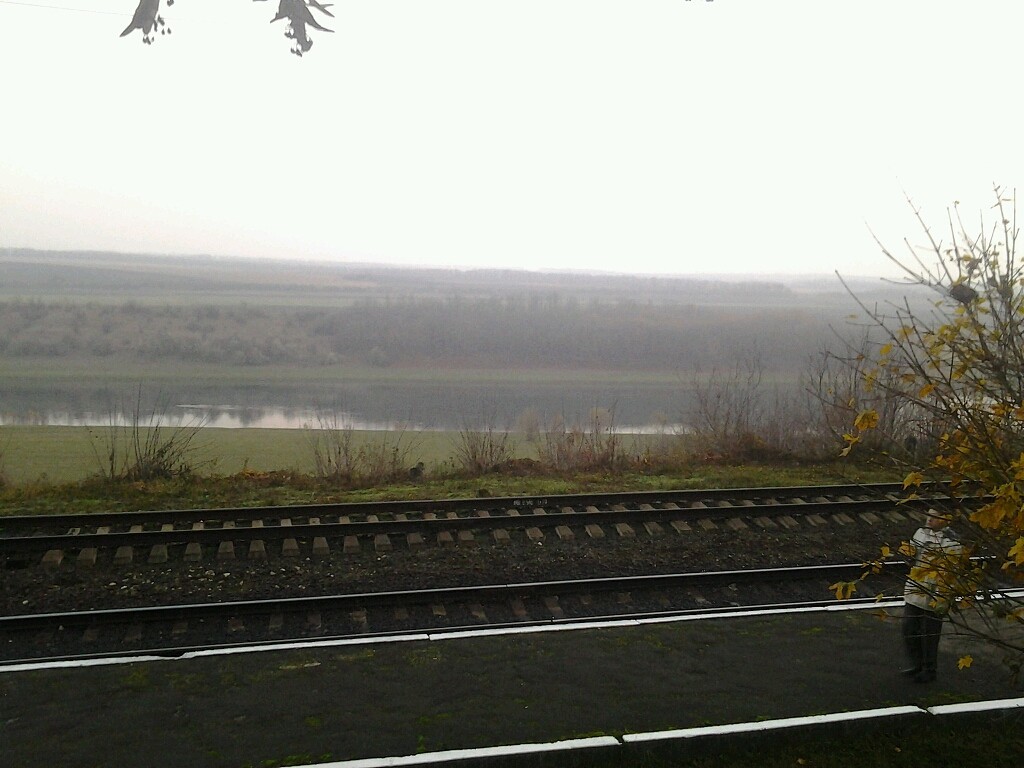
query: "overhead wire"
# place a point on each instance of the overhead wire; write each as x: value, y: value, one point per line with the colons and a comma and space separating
x: 62, y: 8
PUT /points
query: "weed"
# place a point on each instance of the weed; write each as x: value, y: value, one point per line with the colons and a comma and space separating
x: 342, y: 457
x: 481, y: 451
x: 594, y: 734
x: 363, y: 654
x: 142, y: 448
x: 594, y: 445
x: 137, y: 677
x: 423, y: 656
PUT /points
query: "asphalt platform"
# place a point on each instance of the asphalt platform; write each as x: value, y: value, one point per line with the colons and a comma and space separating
x: 375, y: 699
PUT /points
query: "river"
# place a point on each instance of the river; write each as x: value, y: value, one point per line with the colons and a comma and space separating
x: 380, y: 406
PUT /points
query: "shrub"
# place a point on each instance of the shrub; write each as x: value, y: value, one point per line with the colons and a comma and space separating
x: 341, y: 457
x: 595, y: 445
x: 479, y: 451
x: 142, y: 448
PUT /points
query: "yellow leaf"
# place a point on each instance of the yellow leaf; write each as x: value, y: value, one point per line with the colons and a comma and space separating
x: 991, y: 515
x: 1017, y: 552
x: 885, y: 350
x: 843, y: 589
x: 914, y: 478
x: 926, y: 390
x: 866, y: 420
x: 886, y: 552
x: 964, y: 662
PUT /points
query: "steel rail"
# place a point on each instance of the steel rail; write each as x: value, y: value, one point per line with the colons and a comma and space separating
x: 35, y: 621
x: 540, y: 517
x: 350, y: 509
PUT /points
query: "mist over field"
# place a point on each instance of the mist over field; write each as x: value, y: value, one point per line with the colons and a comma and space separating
x: 437, y: 348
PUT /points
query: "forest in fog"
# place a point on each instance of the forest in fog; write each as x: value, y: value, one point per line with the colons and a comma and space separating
x: 548, y: 331
x: 244, y: 313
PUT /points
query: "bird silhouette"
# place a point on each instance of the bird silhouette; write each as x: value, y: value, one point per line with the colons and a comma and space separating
x: 299, y: 17
x: 146, y: 18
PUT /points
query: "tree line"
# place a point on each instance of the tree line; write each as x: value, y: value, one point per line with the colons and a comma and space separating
x: 536, y: 330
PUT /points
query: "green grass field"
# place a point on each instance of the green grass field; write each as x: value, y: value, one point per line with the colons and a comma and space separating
x: 69, y: 454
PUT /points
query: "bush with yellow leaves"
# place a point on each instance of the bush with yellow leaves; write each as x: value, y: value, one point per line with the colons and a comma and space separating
x: 958, y: 364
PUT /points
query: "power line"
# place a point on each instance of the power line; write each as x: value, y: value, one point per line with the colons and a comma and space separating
x: 63, y: 8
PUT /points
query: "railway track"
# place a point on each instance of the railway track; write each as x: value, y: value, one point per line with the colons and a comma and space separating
x: 177, y: 629
x: 224, y: 534
x: 123, y: 571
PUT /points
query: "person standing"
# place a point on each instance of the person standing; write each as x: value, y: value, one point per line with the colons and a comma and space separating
x: 933, y: 546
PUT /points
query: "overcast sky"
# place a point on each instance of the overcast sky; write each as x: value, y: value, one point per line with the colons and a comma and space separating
x: 754, y: 136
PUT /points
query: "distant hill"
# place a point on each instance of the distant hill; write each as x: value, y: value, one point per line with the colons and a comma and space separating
x: 148, y: 278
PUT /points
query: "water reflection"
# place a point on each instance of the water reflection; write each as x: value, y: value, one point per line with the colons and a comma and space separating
x: 237, y: 417
x: 384, y: 406
x: 222, y: 416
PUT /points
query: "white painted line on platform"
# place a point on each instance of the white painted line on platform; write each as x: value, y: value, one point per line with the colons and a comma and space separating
x: 303, y: 645
x: 427, y: 758
x: 770, y: 725
x: 976, y: 706
x: 33, y: 666
x: 894, y: 603
x: 534, y: 629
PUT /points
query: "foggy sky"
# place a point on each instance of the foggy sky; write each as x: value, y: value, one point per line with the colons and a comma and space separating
x: 686, y: 136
